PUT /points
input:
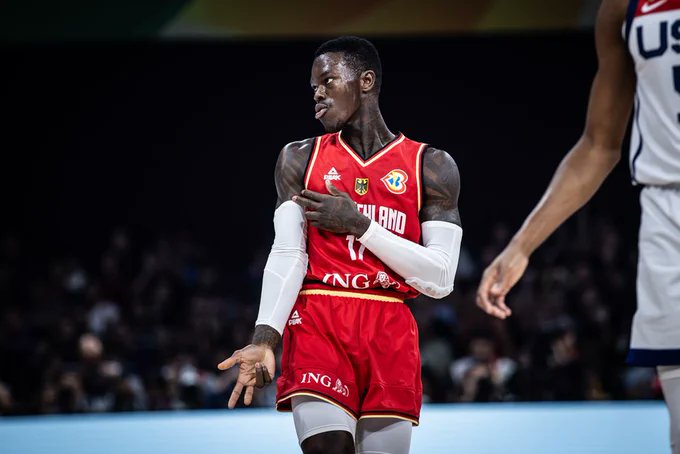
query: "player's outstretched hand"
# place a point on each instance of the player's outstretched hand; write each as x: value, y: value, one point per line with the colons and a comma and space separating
x: 335, y: 211
x: 257, y: 365
x: 499, y: 278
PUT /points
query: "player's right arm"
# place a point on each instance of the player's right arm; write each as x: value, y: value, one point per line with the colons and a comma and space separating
x: 282, y: 279
x: 583, y: 169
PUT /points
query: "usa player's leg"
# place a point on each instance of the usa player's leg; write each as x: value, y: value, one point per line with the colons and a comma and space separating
x: 383, y: 436
x: 656, y: 324
x: 670, y: 383
x: 322, y: 427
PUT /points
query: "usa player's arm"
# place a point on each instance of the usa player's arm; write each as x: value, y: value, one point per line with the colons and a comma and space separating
x: 583, y: 169
x: 282, y: 278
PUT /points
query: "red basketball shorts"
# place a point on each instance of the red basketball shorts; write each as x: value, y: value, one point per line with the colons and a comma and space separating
x: 356, y: 351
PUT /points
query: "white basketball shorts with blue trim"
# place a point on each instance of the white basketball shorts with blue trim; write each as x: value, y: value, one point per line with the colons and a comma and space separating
x: 655, y: 338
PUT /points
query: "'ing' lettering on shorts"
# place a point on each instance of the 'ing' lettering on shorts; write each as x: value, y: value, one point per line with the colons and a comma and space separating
x: 325, y: 381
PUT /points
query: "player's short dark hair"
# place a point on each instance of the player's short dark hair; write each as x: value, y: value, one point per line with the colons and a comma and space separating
x: 359, y: 53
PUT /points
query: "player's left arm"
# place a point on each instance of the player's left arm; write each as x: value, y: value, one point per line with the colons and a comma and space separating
x: 429, y: 267
x: 441, y: 187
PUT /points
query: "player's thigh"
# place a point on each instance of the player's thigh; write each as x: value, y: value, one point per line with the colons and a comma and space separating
x: 322, y: 427
x: 383, y: 436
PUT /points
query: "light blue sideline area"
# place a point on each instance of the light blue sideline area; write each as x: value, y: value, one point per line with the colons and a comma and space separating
x: 556, y: 428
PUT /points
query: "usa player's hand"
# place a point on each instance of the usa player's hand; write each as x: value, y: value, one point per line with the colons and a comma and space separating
x: 257, y: 365
x: 335, y: 211
x: 498, y: 278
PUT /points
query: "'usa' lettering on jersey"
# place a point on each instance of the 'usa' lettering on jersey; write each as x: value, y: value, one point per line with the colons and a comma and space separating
x: 652, y: 30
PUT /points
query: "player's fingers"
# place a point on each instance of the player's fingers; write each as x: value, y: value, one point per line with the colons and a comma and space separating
x: 267, y: 377
x: 482, y: 303
x: 498, y: 292
x: 316, y: 196
x: 248, y: 396
x: 500, y: 287
x: 262, y: 376
x: 233, y: 360
x: 483, y: 300
x: 235, y: 394
x: 490, y: 308
x: 500, y: 304
x: 332, y: 190
x: 312, y: 215
x: 259, y: 376
x: 306, y: 203
x: 506, y: 277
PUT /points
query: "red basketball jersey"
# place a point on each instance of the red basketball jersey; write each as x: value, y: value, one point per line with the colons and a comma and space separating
x: 387, y: 189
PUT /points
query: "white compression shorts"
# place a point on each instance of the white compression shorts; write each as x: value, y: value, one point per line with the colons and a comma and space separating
x: 371, y: 435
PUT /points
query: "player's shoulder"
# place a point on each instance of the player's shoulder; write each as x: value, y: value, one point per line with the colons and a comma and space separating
x: 438, y: 158
x: 298, y: 151
x: 290, y: 168
x: 299, y: 146
x: 613, y: 12
x: 433, y: 154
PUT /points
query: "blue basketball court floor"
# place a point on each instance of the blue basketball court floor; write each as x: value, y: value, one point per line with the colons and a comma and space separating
x: 574, y: 428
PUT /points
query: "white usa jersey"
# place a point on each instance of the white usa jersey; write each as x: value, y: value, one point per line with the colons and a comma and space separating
x: 652, y: 31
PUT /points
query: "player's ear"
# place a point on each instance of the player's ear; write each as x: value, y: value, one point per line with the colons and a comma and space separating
x: 367, y: 81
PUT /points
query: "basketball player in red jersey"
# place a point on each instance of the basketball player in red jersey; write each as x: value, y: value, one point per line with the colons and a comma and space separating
x: 365, y: 219
x: 637, y: 42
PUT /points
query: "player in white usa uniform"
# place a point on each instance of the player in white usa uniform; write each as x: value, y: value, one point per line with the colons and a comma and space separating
x: 638, y: 49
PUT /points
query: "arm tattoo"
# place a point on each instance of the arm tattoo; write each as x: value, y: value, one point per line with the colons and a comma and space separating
x: 290, y: 169
x: 441, y: 184
x: 266, y: 335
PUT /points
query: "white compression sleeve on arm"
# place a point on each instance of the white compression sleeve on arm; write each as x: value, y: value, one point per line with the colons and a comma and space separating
x: 429, y: 268
x: 285, y: 268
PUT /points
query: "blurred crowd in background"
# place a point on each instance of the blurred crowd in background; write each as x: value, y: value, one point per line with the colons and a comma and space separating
x: 144, y: 326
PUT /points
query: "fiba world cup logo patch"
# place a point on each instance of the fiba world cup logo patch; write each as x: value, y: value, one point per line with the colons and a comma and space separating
x: 395, y: 181
x: 361, y: 186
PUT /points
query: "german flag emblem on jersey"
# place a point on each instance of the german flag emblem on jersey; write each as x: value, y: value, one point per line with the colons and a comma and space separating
x: 361, y: 186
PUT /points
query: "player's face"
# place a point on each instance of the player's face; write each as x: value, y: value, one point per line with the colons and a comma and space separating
x: 337, y: 91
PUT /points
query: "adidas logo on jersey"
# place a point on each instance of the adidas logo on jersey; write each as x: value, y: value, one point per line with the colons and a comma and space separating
x: 332, y: 175
x: 295, y: 319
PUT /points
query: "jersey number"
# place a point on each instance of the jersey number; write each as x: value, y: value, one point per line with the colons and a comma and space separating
x: 350, y: 245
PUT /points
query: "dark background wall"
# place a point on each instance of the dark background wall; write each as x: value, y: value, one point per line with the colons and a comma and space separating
x: 182, y: 136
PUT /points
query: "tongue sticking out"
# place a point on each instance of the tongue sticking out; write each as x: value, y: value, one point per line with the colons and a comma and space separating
x: 320, y: 113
